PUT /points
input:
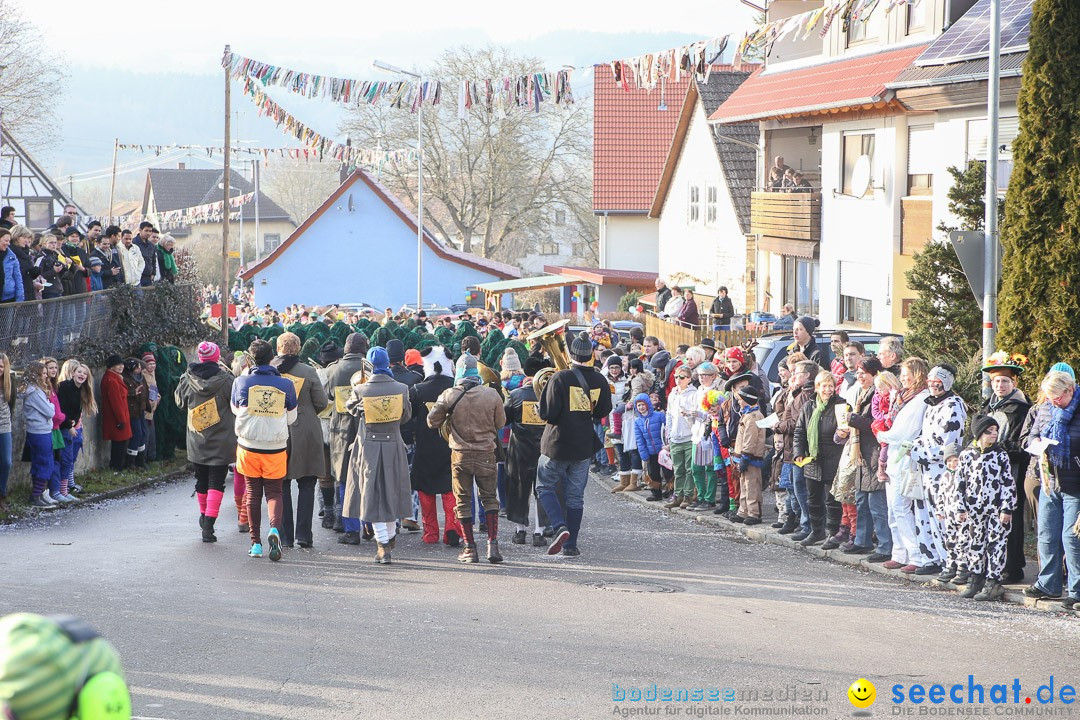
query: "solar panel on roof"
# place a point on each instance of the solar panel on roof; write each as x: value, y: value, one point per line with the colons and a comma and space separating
x: 969, y: 37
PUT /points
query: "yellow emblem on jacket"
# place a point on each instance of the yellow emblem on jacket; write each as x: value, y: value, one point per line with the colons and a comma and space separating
x: 266, y: 401
x: 341, y: 397
x: 530, y: 413
x: 383, y: 409
x: 203, y: 416
x: 298, y: 383
x: 580, y: 402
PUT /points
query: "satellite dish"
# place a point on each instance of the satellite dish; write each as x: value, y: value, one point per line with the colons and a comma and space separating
x: 860, y: 177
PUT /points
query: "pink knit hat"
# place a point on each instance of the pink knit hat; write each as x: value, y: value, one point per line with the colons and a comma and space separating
x: 208, y: 352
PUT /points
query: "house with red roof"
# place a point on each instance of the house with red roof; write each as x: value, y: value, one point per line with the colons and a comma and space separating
x: 827, y: 106
x: 360, y: 246
x: 632, y: 134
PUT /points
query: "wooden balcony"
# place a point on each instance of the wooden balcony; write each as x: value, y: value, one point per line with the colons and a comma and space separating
x: 788, y: 223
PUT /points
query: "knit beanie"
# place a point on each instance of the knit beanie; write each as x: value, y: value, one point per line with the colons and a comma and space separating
x: 148, y: 357
x: 749, y: 394
x: 980, y: 424
x: 356, y: 343
x: 581, y: 348
x: 737, y: 353
x: 942, y: 373
x: 380, y: 361
x: 114, y: 359
x: 466, y: 367
x: 1065, y: 368
x: 510, y: 361
x: 809, y: 324
x: 951, y: 450
x: 413, y: 357
x: 328, y: 353
x: 395, y: 350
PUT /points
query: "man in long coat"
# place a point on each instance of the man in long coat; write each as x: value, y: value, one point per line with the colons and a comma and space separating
x: 522, y: 410
x: 431, y: 474
x: 307, y: 461
x: 378, y: 490
x: 338, y: 391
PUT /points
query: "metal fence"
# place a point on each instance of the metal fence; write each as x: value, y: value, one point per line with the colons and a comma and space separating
x: 50, y: 328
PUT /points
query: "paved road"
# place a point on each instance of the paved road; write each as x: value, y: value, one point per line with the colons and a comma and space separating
x: 207, y: 632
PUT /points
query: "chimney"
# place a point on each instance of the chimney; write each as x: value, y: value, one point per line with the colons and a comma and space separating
x: 181, y: 166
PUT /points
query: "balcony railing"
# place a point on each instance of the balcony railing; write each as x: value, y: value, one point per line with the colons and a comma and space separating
x: 789, y: 223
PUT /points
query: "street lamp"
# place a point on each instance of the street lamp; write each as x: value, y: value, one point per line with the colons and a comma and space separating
x: 378, y: 64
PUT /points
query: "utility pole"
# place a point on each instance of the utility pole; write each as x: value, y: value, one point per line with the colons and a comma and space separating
x: 991, y: 248
x: 255, y: 179
x: 112, y: 184
x: 225, y: 287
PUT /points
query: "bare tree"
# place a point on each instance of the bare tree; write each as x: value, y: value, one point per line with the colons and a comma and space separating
x: 30, y: 79
x: 490, y: 179
x: 299, y: 186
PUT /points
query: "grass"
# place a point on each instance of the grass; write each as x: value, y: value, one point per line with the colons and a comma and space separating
x: 97, y: 482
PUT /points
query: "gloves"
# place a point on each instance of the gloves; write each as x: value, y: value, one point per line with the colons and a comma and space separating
x: 744, y: 464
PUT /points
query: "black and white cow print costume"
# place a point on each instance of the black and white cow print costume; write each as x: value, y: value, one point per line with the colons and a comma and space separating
x: 943, y: 424
x: 954, y: 532
x: 988, y: 491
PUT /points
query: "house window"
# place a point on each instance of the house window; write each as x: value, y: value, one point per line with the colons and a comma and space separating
x: 977, y: 141
x: 801, y: 279
x: 549, y: 247
x: 855, y: 146
x: 921, y: 184
x: 905, y: 307
x: 271, y: 242
x: 38, y: 214
x: 560, y: 217
x: 857, y: 32
x: 712, y: 192
x: 694, y: 215
x: 856, y: 311
x: 916, y: 16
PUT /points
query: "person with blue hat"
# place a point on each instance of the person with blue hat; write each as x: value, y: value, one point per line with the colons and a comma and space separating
x: 378, y: 490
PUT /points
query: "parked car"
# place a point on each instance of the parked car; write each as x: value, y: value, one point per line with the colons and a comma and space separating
x: 771, y: 348
x: 431, y: 309
x: 360, y: 308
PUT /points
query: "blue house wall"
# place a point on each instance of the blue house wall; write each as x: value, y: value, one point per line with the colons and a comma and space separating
x: 360, y: 250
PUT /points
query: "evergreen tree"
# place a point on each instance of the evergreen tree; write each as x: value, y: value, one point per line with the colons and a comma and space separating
x: 944, y: 321
x: 1041, y: 230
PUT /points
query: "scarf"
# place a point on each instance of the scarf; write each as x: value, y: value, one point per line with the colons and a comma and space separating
x: 1058, y: 429
x: 996, y: 402
x: 169, y: 262
x: 812, y: 426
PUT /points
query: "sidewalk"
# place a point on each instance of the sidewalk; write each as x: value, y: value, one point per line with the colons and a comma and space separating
x: 764, y: 534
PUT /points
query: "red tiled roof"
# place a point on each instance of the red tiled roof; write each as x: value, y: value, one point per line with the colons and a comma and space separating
x: 605, y: 276
x: 855, y: 82
x: 631, y: 139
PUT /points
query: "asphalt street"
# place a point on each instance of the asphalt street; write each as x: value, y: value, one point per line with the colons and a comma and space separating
x: 207, y: 632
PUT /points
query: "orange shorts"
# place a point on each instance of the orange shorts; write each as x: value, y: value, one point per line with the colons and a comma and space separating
x: 270, y: 466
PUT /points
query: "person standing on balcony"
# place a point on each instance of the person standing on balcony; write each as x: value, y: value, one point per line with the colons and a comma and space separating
x: 663, y: 294
x: 722, y: 309
x: 671, y: 308
x: 688, y: 314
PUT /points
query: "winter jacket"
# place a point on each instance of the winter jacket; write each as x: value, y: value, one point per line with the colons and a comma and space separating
x: 338, y: 391
x: 829, y: 452
x: 565, y: 407
x: 264, y: 404
x: 648, y: 429
x: 133, y: 263
x: 307, y: 457
x: 1068, y: 477
x: 79, y: 270
x: 70, y: 403
x: 811, y: 350
x: 53, y: 274
x: 27, y: 269
x: 688, y: 314
x: 722, y: 310
x: 750, y: 442
x: 377, y: 487
x: 38, y: 411
x: 475, y: 420
x: 204, y: 393
x: 1010, y: 413
x: 682, y: 409
x: 138, y: 394
x: 792, y: 411
x: 115, y: 418
x: 110, y: 259
x: 150, y: 260
x: 13, y: 290
x: 408, y: 378
x: 662, y: 298
x: 861, y: 419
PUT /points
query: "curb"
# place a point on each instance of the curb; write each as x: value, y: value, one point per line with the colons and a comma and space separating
x: 764, y: 534
x: 100, y: 497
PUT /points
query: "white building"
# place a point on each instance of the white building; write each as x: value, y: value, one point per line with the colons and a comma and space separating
x: 702, y: 201
x: 886, y: 89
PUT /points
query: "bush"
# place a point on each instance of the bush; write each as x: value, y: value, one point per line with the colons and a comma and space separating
x: 628, y: 301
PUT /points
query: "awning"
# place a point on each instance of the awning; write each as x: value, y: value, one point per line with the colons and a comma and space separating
x: 856, y: 82
x: 786, y: 246
x: 543, y: 282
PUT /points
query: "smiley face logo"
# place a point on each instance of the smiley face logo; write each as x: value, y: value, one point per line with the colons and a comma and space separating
x: 862, y: 693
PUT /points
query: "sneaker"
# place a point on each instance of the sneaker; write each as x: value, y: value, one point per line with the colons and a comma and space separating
x: 1069, y: 603
x: 256, y: 550
x: 931, y: 569
x: 853, y: 549
x: 962, y: 577
x: 947, y: 575
x: 707, y: 507
x: 39, y: 502
x: 570, y: 552
x: 468, y: 555
x: 561, y: 536
x: 64, y: 499
x: 877, y: 558
x: 736, y: 518
x: 48, y: 498
x: 909, y: 569
x: 1034, y: 591
x: 75, y: 488
x: 892, y: 565
x: 751, y: 520
x: 275, y: 545
x: 538, y: 540
x: 519, y: 538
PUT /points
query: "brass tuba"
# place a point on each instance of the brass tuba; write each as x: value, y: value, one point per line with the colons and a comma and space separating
x: 552, y: 339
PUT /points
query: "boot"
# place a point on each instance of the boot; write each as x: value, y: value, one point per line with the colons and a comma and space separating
x: 656, y: 495
x: 140, y: 460
x: 573, y: 524
x: 813, y: 538
x: 338, y: 526
x: 349, y: 538
x: 668, y: 488
x: 208, y: 529
x: 962, y: 577
x: 674, y: 502
x: 992, y: 591
x: 202, y: 519
x: 328, y: 517
x: 633, y: 485
x: 975, y: 586
x: 468, y: 554
x: 382, y: 557
x: 624, y: 482
x: 791, y: 524
x: 493, y: 554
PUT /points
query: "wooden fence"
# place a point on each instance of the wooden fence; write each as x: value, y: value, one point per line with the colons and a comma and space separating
x: 674, y: 335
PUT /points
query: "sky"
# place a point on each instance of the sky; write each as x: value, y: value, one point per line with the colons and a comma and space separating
x: 159, y: 63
